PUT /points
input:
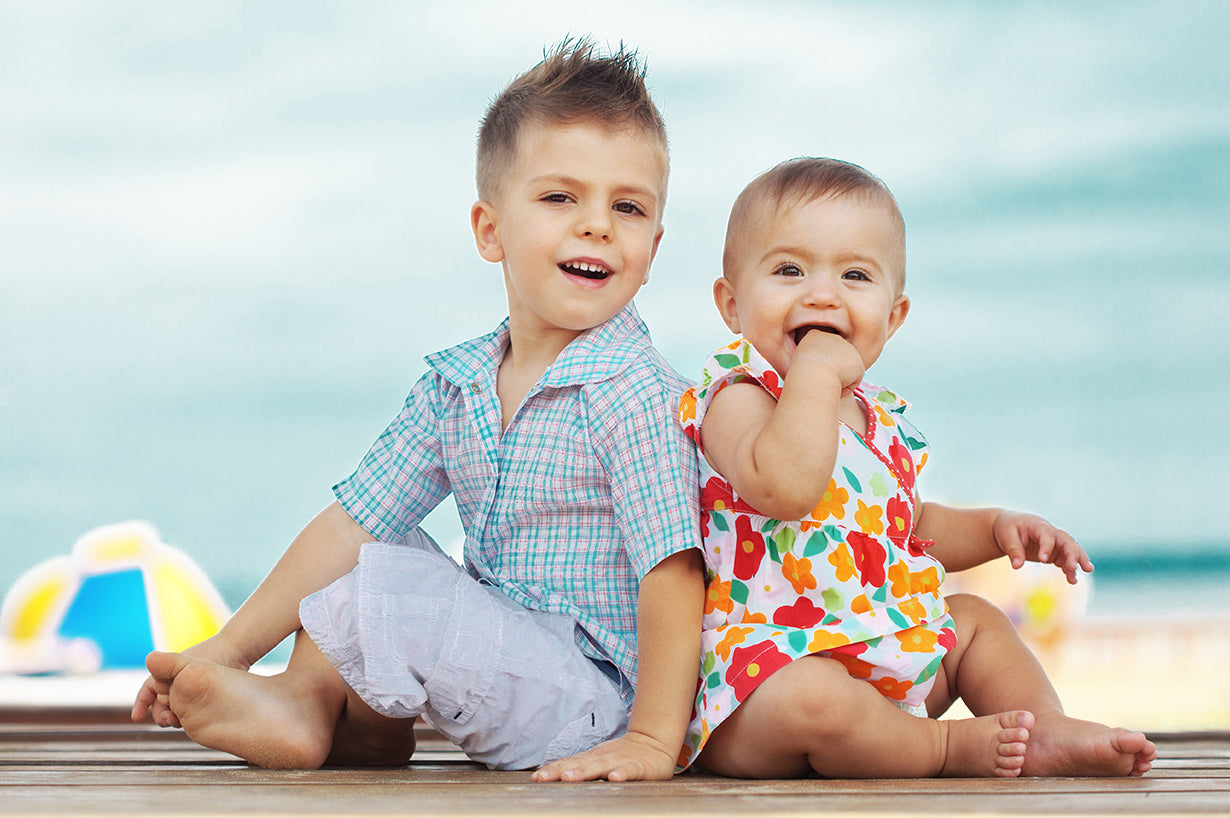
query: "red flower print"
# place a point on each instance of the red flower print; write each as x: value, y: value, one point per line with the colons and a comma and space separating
x: 773, y: 382
x: 802, y: 614
x: 898, y: 522
x: 752, y: 665
x: 947, y: 638
x: 903, y: 464
x: 716, y: 494
x: 869, y: 558
x: 749, y: 545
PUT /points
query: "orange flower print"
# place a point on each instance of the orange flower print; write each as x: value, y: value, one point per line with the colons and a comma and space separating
x: 899, y: 580
x: 687, y: 408
x: 798, y: 573
x: 917, y: 640
x: 868, y: 518
x: 925, y: 582
x: 885, y: 418
x: 833, y: 503
x: 750, y: 618
x: 913, y: 609
x: 893, y: 689
x: 860, y: 604
x: 826, y: 640
x: 855, y: 667
x: 842, y: 562
x: 734, y: 636
x: 717, y: 598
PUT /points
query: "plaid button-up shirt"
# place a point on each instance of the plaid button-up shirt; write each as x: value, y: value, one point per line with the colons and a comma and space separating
x: 592, y: 484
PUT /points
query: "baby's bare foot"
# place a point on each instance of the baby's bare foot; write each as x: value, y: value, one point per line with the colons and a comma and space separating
x: 989, y: 746
x: 1063, y: 746
x: 279, y: 722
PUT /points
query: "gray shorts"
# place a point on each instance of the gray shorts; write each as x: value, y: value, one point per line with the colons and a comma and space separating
x: 413, y: 634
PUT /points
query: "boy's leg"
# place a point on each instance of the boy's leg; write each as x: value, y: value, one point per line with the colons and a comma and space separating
x: 813, y: 716
x: 992, y: 670
x: 298, y: 719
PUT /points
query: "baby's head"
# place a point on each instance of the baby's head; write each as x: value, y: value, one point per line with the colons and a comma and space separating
x: 814, y: 243
x: 573, y: 85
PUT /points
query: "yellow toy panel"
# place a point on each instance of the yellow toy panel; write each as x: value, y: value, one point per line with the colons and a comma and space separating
x: 119, y: 594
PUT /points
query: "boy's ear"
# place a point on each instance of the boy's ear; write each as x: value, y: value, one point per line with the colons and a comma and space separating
x: 657, y: 239
x: 724, y: 298
x: 897, y: 316
x: 486, y: 236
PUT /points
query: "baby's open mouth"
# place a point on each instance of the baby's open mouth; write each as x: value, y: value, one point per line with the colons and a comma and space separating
x: 806, y: 328
x: 585, y: 270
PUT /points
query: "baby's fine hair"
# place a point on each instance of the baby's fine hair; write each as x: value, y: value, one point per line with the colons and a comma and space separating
x: 799, y: 181
x: 573, y: 84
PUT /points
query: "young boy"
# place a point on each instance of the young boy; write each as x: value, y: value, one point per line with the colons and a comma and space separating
x: 575, y: 486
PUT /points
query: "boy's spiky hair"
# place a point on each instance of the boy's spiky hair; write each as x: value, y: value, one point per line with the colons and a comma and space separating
x: 798, y: 181
x: 573, y: 83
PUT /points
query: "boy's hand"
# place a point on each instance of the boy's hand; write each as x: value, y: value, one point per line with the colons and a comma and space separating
x: 631, y: 757
x: 837, y: 353
x: 1028, y: 537
x: 154, y: 695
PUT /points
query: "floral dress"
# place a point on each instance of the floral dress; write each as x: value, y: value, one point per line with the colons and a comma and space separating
x: 849, y: 580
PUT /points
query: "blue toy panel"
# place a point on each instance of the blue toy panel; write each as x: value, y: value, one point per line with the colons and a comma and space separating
x: 112, y: 611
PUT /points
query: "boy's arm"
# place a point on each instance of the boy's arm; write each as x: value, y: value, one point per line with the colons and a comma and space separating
x: 327, y: 548
x: 968, y: 537
x: 779, y: 455
x: 668, y: 637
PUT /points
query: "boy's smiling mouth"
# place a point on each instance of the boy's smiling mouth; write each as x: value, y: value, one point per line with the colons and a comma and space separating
x: 803, y: 330
x: 586, y: 269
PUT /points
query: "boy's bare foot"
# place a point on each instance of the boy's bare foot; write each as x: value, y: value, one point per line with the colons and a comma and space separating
x: 989, y: 746
x: 1063, y: 746
x: 280, y: 722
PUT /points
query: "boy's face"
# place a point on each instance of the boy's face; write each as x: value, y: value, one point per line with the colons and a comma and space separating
x: 836, y: 263
x: 576, y: 224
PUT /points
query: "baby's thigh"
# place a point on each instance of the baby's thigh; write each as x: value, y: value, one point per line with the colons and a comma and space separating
x: 771, y: 733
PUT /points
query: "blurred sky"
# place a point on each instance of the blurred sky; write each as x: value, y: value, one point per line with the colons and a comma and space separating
x: 230, y: 231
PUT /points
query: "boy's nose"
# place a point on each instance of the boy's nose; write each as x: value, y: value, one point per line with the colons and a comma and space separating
x: 594, y: 223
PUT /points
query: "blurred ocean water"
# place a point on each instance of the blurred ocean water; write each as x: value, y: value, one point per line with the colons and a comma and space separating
x: 228, y: 235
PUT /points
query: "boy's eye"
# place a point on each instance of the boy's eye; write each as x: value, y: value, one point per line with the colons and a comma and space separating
x: 629, y: 208
x: 556, y: 198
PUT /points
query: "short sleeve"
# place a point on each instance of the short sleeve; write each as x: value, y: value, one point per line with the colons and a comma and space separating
x: 402, y: 477
x: 651, y: 464
x: 736, y: 362
x: 893, y: 408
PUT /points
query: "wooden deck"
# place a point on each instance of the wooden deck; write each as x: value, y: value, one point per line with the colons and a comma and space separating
x: 91, y: 761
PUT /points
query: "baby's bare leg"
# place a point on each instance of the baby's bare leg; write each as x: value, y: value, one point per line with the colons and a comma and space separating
x: 992, y: 670
x: 812, y: 716
x: 298, y: 719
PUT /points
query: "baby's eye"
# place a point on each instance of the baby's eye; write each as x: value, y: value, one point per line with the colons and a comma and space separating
x: 856, y: 275
x: 789, y: 270
x: 629, y: 208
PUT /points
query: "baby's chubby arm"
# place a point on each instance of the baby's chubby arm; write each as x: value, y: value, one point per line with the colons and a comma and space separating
x: 968, y: 537
x: 669, y: 609
x: 327, y: 548
x: 779, y: 455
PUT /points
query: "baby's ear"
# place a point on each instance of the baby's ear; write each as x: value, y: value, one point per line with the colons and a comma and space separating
x: 724, y: 298
x: 901, y: 308
x: 486, y: 235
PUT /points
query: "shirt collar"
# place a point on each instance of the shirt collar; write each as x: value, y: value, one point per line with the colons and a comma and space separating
x: 593, y: 356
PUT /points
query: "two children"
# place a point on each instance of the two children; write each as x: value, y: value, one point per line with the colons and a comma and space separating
x: 571, y: 636
x: 825, y: 635
x: 556, y: 434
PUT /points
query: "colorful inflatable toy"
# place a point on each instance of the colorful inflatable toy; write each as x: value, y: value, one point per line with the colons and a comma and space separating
x: 120, y: 594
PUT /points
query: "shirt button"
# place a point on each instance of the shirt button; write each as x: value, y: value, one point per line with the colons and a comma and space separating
x: 476, y: 387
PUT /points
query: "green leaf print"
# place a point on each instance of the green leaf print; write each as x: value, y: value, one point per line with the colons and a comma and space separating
x: 817, y: 544
x: 898, y: 618
x: 719, y: 522
x: 930, y: 670
x: 833, y: 533
x: 738, y: 591
x: 885, y: 396
x: 797, y: 641
x: 879, y: 486
x: 914, y: 443
x: 727, y: 360
x: 880, y: 594
x: 710, y: 660
x: 833, y: 599
x: 783, y: 543
x: 854, y: 484
x: 714, y: 680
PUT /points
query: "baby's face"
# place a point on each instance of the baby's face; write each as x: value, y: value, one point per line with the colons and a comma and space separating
x: 834, y: 263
